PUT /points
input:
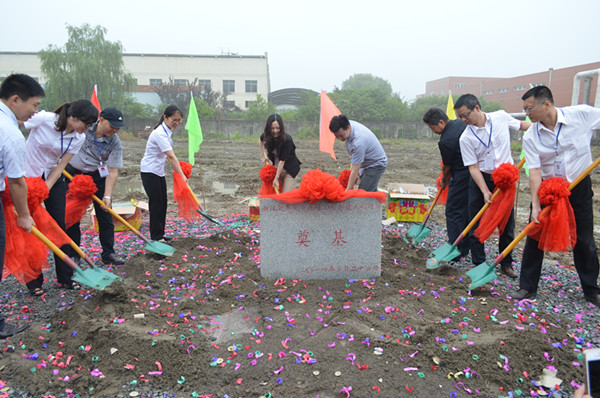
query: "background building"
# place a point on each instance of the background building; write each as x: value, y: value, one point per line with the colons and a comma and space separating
x: 241, y: 77
x: 508, y: 91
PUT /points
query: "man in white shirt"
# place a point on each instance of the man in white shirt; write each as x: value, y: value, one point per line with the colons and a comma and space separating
x: 19, y: 99
x: 558, y: 145
x: 484, y: 146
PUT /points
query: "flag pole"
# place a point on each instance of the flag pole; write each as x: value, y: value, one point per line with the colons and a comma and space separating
x: 201, y: 181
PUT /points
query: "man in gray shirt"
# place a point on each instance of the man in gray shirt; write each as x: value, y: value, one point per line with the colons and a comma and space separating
x: 369, y: 160
x: 100, y: 157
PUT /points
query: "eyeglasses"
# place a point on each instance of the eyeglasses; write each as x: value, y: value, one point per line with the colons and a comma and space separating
x: 174, y: 121
x: 464, y: 117
x: 529, y: 110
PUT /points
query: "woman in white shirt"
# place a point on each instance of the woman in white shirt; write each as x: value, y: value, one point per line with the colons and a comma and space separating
x: 53, y: 139
x: 159, y: 148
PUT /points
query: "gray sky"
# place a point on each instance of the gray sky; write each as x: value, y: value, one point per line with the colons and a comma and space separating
x: 317, y: 44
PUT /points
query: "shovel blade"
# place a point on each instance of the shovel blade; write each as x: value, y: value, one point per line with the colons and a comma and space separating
x: 160, y: 248
x: 481, y: 275
x: 413, y: 232
x: 446, y: 252
x: 209, y: 218
x: 424, y: 233
x: 96, y: 278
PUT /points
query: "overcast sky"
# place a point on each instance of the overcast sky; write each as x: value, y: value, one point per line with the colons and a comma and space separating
x: 317, y: 44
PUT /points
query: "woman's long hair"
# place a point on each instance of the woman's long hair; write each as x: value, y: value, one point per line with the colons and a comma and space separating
x: 82, y: 110
x: 274, y: 143
x: 169, y: 111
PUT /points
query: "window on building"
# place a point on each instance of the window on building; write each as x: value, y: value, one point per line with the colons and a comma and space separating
x: 180, y: 82
x: 248, y: 103
x: 251, y: 86
x: 442, y: 92
x: 229, y: 104
x: 538, y: 84
x: 522, y: 87
x: 205, y: 84
x: 155, y: 82
x: 228, y: 86
x: 459, y: 85
x: 503, y: 90
x: 489, y: 92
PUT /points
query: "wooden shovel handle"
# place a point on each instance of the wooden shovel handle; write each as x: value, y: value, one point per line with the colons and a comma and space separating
x: 55, y: 249
x: 544, y: 211
x: 439, y: 192
x: 113, y: 213
x: 483, y: 209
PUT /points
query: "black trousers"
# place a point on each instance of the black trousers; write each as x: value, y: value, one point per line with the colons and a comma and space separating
x: 457, y: 208
x: 55, y: 205
x: 476, y: 202
x: 106, y: 227
x: 585, y: 255
x: 156, y: 189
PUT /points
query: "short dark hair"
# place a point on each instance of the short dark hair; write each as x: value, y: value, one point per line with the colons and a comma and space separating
x: 541, y: 94
x: 339, y: 122
x: 434, y: 115
x: 22, y: 85
x: 468, y: 100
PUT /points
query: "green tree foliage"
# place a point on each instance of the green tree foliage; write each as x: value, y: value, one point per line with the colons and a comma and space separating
x: 259, y: 109
x: 361, y: 81
x: 310, y: 110
x: 205, y: 111
x: 87, y: 58
x: 489, y: 106
x: 418, y: 107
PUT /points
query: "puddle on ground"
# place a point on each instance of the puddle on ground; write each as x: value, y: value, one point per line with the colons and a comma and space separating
x: 225, y: 188
x: 126, y: 188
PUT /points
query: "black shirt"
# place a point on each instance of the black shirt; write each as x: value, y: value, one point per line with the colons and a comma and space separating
x: 449, y: 146
x: 288, y: 155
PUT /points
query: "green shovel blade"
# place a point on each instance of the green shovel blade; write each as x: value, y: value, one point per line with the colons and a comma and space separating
x: 160, y: 248
x: 96, y: 278
x: 446, y: 252
x: 481, y: 275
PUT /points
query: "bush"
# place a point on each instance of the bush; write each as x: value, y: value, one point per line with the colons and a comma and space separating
x: 308, y: 132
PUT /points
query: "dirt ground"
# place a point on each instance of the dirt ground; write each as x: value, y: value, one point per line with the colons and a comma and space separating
x: 204, y: 323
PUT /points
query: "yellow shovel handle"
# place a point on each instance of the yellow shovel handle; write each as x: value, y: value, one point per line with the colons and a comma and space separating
x: 113, y: 213
x: 194, y: 196
x: 55, y: 249
x: 485, y: 206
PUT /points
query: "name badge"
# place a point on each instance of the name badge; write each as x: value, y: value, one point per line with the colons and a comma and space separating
x: 488, y: 163
x: 559, y: 169
x: 103, y: 170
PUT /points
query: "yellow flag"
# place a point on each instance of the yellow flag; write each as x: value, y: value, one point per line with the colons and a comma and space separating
x: 450, y: 107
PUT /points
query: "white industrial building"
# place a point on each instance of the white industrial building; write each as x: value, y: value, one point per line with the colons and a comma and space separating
x: 241, y: 77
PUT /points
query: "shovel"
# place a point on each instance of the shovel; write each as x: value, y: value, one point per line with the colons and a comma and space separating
x: 447, y: 251
x: 153, y: 246
x: 418, y: 232
x: 94, y: 277
x: 486, y: 272
x: 201, y: 210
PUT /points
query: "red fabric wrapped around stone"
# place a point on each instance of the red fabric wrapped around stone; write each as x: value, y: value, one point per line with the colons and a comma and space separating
x: 496, y: 216
x: 443, y: 198
x: 25, y: 256
x: 344, y: 178
x: 267, y: 175
x: 557, y: 231
x: 183, y: 196
x: 317, y: 185
x: 79, y: 198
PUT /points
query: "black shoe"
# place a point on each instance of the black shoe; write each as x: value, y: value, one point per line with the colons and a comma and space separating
x: 167, y: 238
x: 593, y: 298
x: 112, y: 258
x: 10, y: 330
x: 509, y: 271
x: 523, y: 294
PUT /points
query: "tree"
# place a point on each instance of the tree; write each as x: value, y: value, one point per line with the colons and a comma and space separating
x: 259, y: 109
x: 360, y: 81
x: 87, y: 58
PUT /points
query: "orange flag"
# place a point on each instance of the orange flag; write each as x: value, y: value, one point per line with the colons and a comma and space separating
x: 95, y: 98
x: 326, y: 137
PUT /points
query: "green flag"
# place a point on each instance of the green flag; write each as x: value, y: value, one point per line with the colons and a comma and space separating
x: 194, y: 131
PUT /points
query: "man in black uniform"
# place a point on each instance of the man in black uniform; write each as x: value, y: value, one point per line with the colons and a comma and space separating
x: 454, y: 174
